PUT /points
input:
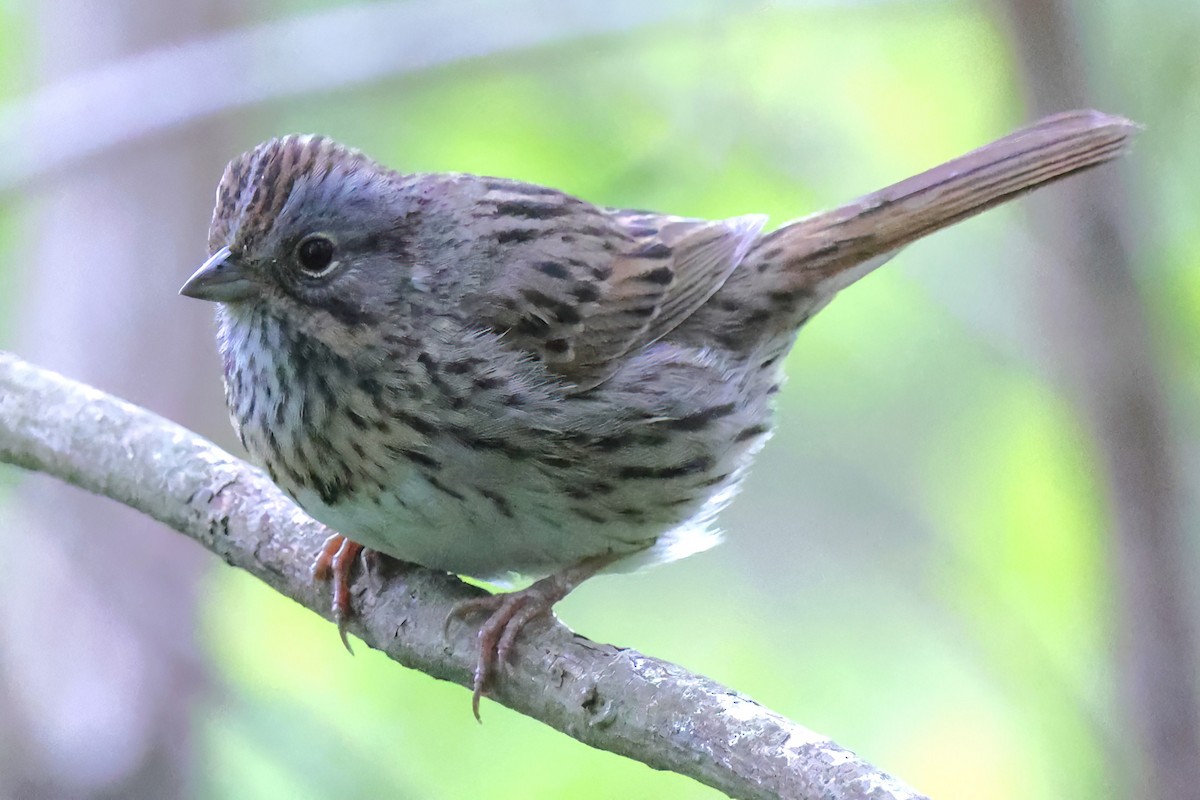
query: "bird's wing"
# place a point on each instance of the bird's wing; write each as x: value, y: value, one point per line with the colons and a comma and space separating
x: 580, y: 287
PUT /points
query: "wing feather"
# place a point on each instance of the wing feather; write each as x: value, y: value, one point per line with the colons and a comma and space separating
x: 582, y: 287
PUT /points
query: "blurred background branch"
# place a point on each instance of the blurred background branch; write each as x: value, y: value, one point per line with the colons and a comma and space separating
x: 1100, y: 343
x: 116, y: 719
x: 93, y: 111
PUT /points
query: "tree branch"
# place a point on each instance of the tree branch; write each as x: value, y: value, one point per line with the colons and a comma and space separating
x: 59, y: 126
x: 1103, y: 348
x: 608, y: 697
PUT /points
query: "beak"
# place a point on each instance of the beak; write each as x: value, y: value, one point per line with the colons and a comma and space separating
x: 220, y: 279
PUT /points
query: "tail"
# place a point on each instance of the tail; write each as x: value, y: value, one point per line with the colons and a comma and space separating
x: 794, y: 271
x: 823, y: 251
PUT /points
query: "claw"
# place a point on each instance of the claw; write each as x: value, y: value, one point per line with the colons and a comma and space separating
x: 509, y: 613
x: 335, y: 561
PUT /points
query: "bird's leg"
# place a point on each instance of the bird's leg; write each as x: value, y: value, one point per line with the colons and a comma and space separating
x: 335, y: 561
x: 509, y: 612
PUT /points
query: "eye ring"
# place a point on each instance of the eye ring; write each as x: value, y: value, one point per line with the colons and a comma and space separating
x: 315, y: 255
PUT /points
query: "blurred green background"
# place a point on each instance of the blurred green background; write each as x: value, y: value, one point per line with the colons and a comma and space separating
x: 919, y: 566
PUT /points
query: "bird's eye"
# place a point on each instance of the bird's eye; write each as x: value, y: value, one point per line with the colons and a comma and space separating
x: 315, y: 254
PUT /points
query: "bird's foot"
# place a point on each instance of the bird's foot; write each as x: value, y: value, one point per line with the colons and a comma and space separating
x: 510, y: 612
x: 334, y: 563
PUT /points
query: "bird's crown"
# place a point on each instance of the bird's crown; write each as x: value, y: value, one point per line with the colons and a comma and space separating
x: 257, y: 184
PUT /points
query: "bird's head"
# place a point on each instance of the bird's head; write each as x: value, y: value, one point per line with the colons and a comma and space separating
x: 304, y: 227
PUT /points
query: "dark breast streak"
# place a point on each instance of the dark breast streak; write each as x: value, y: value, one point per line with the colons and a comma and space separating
x: 630, y: 457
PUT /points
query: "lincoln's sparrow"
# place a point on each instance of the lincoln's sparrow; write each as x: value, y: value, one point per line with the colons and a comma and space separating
x: 489, y: 377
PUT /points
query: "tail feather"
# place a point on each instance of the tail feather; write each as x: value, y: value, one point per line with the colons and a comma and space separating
x: 824, y: 252
x: 793, y: 272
